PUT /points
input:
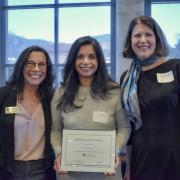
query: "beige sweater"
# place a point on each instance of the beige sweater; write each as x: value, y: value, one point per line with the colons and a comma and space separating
x: 94, y: 115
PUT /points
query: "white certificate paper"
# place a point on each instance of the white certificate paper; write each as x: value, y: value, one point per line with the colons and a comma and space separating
x: 88, y: 151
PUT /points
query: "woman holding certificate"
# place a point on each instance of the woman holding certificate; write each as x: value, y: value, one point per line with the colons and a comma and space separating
x: 88, y: 99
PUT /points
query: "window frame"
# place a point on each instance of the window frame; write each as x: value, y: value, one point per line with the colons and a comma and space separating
x: 147, y: 4
x: 4, y: 8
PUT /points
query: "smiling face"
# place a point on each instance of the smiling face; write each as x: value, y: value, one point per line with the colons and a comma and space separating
x: 34, y: 75
x: 143, y: 41
x: 86, y: 64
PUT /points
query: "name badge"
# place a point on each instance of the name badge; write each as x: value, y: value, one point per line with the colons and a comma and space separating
x: 11, y: 110
x: 99, y: 116
x: 165, y: 77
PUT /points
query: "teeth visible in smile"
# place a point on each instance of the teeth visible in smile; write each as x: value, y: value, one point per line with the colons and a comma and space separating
x: 85, y: 68
x: 35, y: 76
x: 143, y: 47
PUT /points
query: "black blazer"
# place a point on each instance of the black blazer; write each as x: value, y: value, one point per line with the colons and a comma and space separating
x: 8, y: 98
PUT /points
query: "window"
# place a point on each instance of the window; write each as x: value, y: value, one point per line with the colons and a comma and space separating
x: 27, y: 27
x: 167, y: 14
x: 28, y: 2
x: 54, y: 25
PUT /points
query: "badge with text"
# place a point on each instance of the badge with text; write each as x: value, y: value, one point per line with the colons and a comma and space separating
x: 11, y: 110
x: 165, y: 77
x: 99, y: 116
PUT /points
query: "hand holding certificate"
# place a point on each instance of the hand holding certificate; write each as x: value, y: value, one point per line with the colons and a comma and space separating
x: 88, y: 151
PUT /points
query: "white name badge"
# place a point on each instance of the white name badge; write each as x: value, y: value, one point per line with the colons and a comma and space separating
x: 99, y: 116
x: 165, y: 77
x: 11, y: 110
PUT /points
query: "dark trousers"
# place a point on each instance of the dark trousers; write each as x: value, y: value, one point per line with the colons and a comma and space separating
x: 29, y: 170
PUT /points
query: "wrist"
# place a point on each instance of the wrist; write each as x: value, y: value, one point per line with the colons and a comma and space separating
x: 58, y: 155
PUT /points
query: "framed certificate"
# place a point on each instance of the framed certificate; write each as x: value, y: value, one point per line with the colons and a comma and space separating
x: 88, y: 151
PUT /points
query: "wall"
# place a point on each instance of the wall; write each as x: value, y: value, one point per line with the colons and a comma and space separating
x: 126, y: 10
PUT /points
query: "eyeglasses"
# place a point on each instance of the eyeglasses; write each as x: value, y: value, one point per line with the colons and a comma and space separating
x: 32, y: 65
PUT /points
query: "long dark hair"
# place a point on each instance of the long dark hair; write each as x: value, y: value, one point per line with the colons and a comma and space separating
x: 101, y: 82
x: 16, y: 79
x: 162, y: 48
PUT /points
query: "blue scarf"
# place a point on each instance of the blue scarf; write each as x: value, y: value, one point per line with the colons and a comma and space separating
x: 129, y: 89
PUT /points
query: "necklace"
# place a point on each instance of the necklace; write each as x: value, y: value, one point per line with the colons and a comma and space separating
x: 28, y: 101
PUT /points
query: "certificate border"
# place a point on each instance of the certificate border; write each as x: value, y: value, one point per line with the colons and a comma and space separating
x: 89, y: 168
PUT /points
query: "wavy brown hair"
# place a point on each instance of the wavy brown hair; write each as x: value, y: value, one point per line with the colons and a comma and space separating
x: 16, y: 79
x: 162, y: 48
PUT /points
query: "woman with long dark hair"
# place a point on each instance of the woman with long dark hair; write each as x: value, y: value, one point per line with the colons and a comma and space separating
x: 25, y: 122
x: 88, y: 99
